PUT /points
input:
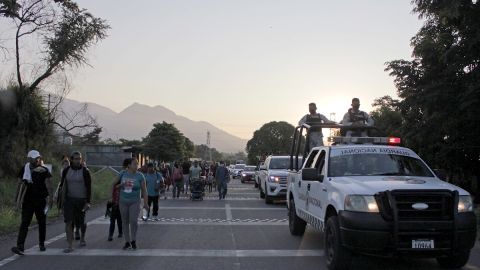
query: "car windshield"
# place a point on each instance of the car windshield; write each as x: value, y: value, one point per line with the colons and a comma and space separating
x: 376, y: 165
x: 250, y: 168
x: 279, y: 163
x: 240, y: 166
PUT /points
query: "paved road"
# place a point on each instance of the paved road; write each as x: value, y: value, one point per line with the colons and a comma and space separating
x: 241, y: 232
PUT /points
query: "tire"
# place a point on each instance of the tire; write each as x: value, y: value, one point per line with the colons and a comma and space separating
x: 268, y: 199
x: 337, y: 257
x: 295, y: 223
x: 262, y: 195
x: 455, y: 261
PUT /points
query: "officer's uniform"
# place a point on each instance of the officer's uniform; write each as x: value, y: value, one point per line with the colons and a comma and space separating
x: 358, y: 118
x: 316, y: 135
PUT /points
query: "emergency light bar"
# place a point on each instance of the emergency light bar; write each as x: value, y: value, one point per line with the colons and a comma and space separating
x: 365, y: 140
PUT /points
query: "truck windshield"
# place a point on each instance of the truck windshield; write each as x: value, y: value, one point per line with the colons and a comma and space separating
x: 240, y: 166
x: 376, y: 164
x: 282, y: 163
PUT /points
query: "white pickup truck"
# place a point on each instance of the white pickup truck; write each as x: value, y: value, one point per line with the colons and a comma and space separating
x: 369, y: 197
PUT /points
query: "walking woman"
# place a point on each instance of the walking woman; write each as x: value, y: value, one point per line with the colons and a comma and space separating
x: 177, y: 180
x: 131, y: 184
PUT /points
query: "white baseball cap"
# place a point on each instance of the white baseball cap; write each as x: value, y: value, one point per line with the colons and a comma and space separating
x: 33, y: 154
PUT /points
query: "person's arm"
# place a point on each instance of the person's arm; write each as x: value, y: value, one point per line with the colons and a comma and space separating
x: 370, y: 121
x: 144, y: 193
x: 326, y: 120
x: 88, y: 186
x: 346, y: 120
x: 303, y: 120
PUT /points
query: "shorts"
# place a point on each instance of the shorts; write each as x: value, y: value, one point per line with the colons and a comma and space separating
x: 73, y: 211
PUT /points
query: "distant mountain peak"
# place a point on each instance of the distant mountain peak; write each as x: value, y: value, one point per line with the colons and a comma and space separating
x: 136, y: 121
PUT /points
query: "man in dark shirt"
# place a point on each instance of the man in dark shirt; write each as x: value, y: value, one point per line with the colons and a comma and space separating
x: 38, y: 189
x: 186, y: 174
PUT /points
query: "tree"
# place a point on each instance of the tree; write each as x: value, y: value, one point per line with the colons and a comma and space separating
x: 188, y: 148
x: 387, y: 115
x: 50, y: 37
x: 164, y: 142
x: 203, y: 151
x: 92, y: 137
x: 273, y: 138
x: 440, y: 87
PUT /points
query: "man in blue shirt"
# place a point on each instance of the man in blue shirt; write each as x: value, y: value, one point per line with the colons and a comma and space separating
x: 222, y: 177
x: 154, y: 182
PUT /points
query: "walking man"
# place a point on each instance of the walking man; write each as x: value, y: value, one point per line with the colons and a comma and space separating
x: 221, y: 178
x: 154, y: 181
x: 186, y: 174
x: 35, y: 178
x: 76, y: 185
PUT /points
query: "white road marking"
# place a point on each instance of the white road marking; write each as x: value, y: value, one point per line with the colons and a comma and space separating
x: 189, y: 222
x: 181, y: 253
x: 221, y: 208
x: 228, y: 212
x: 35, y: 248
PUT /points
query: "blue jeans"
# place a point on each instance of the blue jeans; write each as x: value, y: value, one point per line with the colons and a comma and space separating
x: 222, y: 190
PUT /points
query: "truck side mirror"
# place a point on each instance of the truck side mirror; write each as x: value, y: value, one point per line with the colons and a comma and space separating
x: 441, y: 173
x: 311, y: 174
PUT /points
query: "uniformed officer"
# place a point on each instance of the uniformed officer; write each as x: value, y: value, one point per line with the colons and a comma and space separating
x: 356, y: 118
x: 314, y: 118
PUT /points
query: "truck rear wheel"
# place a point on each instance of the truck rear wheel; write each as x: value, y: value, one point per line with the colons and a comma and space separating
x: 295, y: 223
x: 455, y: 261
x: 337, y: 256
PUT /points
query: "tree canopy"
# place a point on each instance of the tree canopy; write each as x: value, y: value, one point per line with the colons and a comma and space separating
x: 440, y: 87
x: 272, y: 138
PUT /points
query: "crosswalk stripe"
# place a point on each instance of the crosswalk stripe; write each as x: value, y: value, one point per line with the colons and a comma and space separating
x: 180, y: 253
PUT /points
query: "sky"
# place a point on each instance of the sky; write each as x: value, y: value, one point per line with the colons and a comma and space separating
x: 239, y: 64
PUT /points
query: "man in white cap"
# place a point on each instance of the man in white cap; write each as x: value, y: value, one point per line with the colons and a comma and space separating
x: 36, y: 178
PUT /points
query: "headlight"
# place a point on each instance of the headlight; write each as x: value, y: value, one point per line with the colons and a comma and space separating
x: 273, y: 179
x: 465, y: 204
x: 361, y: 203
x: 244, y: 175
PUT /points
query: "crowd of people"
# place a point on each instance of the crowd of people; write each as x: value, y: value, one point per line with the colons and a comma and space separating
x: 35, y: 195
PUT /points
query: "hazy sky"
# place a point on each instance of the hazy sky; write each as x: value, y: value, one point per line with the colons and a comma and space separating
x: 240, y: 64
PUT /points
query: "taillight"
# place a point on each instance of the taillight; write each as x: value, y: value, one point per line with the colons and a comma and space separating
x: 394, y: 140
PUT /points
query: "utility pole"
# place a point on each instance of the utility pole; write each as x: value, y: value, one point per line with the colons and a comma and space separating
x: 332, y: 118
x: 208, y: 145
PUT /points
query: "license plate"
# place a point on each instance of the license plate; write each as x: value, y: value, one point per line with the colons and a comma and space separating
x: 423, y: 244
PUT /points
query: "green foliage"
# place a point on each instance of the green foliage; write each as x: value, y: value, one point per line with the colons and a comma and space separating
x: 440, y: 87
x: 24, y: 127
x: 272, y: 138
x: 164, y: 142
x: 92, y: 137
x: 387, y: 116
x: 203, y: 151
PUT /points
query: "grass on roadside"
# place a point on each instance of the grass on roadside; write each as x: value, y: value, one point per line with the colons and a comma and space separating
x: 10, y: 216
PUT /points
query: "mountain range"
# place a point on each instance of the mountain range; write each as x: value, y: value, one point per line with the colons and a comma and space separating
x: 136, y: 121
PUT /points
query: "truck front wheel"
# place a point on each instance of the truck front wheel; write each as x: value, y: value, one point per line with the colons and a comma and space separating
x: 296, y: 224
x: 455, y: 261
x: 337, y: 256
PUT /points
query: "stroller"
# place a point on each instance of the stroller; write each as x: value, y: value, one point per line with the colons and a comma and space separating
x: 196, y: 190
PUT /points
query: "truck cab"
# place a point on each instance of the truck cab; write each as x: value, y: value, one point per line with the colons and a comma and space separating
x: 371, y: 196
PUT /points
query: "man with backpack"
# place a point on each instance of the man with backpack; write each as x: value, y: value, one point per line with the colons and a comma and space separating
x: 33, y: 196
x: 76, y: 186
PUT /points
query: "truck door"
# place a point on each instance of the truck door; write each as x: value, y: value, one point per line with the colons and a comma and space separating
x: 302, y: 186
x: 317, y: 191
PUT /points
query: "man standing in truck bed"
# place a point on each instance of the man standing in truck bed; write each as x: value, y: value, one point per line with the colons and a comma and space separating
x: 314, y: 118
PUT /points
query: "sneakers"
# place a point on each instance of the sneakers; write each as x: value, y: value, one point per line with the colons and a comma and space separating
x: 127, y: 246
x: 83, y: 243
x: 110, y: 239
x: 155, y: 218
x: 42, y: 247
x: 134, y: 245
x: 18, y: 250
